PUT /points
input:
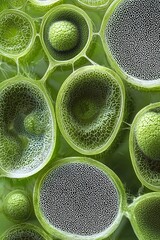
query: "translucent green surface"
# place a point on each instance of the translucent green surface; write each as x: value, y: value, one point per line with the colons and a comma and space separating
x: 29, y: 56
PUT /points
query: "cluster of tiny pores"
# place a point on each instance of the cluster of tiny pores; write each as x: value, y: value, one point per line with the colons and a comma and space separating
x: 146, y: 142
x: 91, y: 101
x: 25, y: 234
x: 16, y: 33
x: 79, y: 199
x: 132, y: 34
x: 25, y: 127
x: 26, y: 119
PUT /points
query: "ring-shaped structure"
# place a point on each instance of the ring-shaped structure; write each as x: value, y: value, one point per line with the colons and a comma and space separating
x: 27, y: 127
x: 130, y: 36
x: 90, y: 109
x: 144, y: 216
x: 79, y: 198
x: 18, y: 33
x: 44, y: 3
x: 79, y: 19
x: 94, y: 3
x: 147, y: 168
x: 25, y: 231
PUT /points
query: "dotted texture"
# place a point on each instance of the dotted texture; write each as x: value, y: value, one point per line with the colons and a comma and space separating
x: 22, y: 151
x: 94, y: 2
x: 80, y: 23
x: 16, y: 33
x: 23, y: 234
x: 148, y: 218
x: 148, y: 134
x: 79, y: 199
x: 90, y: 109
x: 148, y: 168
x: 132, y: 35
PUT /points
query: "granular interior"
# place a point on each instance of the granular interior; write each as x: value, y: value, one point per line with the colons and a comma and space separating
x: 79, y: 198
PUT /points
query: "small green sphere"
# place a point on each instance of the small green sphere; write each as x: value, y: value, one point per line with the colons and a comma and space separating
x: 33, y: 124
x: 148, y: 135
x: 63, y: 35
x: 17, y: 206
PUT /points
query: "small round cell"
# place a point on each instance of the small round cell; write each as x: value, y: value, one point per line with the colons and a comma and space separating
x: 147, y: 133
x: 63, y: 35
x: 17, y: 206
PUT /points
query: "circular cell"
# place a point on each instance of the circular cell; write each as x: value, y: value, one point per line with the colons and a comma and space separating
x: 17, y: 33
x: 90, y: 109
x: 144, y: 216
x: 66, y: 33
x: 78, y: 197
x: 130, y: 32
x: 25, y: 232
x: 17, y: 206
x: 27, y: 127
x: 144, y: 145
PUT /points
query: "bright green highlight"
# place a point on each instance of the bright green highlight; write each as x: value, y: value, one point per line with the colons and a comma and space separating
x: 148, y: 134
x: 63, y: 35
x: 33, y: 125
x: 17, y: 206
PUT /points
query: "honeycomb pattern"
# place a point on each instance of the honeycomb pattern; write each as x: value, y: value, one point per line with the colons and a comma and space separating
x: 147, y: 217
x: 16, y: 32
x: 146, y: 162
x: 24, y: 232
x: 22, y: 151
x: 89, y: 107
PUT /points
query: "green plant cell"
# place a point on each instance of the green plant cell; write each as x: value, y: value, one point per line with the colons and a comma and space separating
x: 33, y: 123
x: 79, y: 198
x: 17, y: 206
x: 145, y: 217
x: 147, y: 133
x: 17, y: 32
x: 27, y: 128
x: 90, y: 107
x: 66, y: 33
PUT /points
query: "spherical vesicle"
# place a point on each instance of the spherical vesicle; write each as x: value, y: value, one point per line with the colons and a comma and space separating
x: 17, y: 206
x: 63, y: 35
x: 147, y: 134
